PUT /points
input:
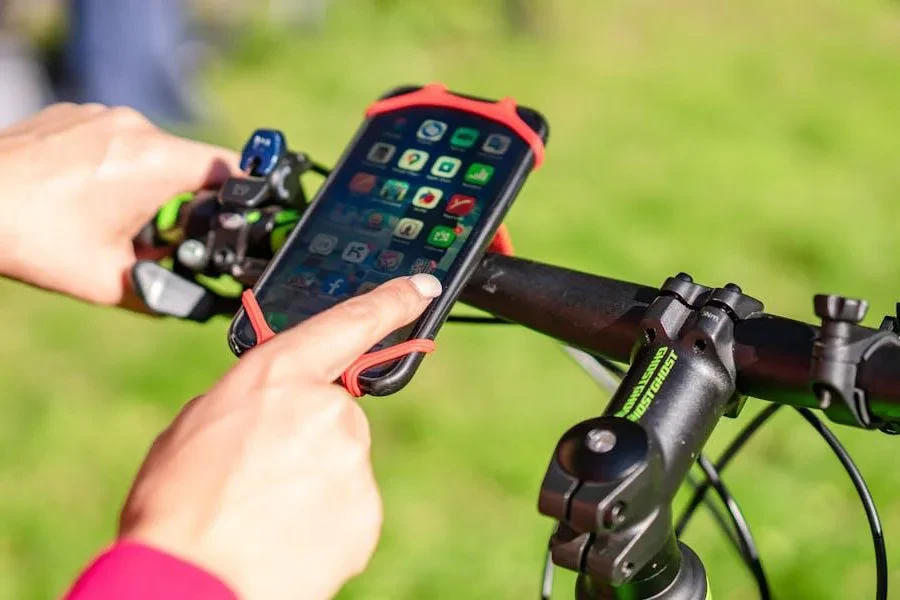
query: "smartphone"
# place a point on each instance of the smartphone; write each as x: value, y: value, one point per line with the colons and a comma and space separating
x: 420, y: 189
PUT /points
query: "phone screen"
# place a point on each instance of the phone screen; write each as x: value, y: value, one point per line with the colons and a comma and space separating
x: 405, y: 199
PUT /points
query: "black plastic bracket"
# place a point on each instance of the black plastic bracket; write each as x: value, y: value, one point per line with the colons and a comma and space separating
x: 837, y: 353
x: 226, y: 233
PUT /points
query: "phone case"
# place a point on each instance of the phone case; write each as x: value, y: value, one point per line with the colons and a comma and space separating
x: 504, y: 111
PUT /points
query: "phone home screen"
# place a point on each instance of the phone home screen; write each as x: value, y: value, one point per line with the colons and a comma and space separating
x: 405, y: 200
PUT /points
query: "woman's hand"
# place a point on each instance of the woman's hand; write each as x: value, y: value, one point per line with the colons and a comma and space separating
x: 266, y: 480
x: 77, y: 183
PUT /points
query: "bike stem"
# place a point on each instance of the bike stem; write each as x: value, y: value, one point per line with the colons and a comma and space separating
x: 612, y: 479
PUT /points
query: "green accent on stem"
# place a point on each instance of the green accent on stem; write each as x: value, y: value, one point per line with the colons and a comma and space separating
x: 287, y: 216
x: 658, y: 380
x: 253, y: 216
x: 224, y: 285
x: 642, y: 383
x: 279, y: 235
x: 648, y: 385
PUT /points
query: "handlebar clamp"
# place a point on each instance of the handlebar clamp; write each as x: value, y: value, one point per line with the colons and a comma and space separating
x: 837, y: 353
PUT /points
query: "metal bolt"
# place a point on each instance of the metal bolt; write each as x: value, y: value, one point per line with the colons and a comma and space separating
x: 192, y: 254
x: 600, y: 441
x: 223, y: 257
x: 685, y: 277
x: 733, y: 287
x: 614, y: 516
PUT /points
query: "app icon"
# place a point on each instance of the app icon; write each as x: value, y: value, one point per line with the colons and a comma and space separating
x: 441, y: 237
x: 323, y: 244
x: 381, y: 153
x: 362, y: 183
x: 413, y: 160
x: 399, y: 123
x: 496, y: 143
x: 366, y: 286
x: 335, y: 285
x: 343, y: 214
x: 423, y: 265
x: 460, y: 205
x: 408, y: 229
x: 277, y: 320
x: 445, y: 166
x: 301, y: 280
x: 479, y: 173
x: 393, y: 190
x: 388, y: 260
x: 427, y: 197
x: 355, y: 252
x: 376, y: 220
x: 464, y: 137
x: 431, y: 130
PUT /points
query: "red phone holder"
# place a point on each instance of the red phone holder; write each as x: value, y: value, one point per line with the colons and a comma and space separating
x: 435, y: 94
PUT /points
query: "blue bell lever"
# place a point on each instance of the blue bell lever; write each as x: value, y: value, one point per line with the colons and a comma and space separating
x: 262, y: 152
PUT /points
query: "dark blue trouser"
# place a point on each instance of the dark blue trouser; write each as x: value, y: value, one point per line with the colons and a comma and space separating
x: 127, y: 52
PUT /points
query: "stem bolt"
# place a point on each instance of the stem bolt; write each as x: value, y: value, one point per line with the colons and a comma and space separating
x: 600, y: 441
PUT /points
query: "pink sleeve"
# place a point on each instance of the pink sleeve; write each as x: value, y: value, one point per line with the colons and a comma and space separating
x: 137, y: 572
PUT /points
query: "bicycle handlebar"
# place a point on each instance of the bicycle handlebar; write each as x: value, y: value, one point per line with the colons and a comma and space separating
x: 625, y: 470
x: 773, y: 354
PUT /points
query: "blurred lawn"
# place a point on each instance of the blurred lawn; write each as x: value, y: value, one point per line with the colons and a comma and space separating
x: 750, y: 141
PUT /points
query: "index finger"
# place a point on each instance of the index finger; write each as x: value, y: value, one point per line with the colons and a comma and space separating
x: 189, y: 165
x: 322, y: 348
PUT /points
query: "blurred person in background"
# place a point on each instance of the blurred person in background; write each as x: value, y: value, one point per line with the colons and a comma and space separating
x: 131, y: 53
x: 125, y: 53
x: 26, y: 88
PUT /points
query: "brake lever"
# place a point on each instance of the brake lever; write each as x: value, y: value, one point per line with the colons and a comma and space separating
x: 166, y: 293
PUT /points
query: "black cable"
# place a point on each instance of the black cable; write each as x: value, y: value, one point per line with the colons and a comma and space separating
x: 320, y: 169
x: 881, y: 572
x: 716, y: 512
x: 610, y: 366
x: 740, y: 524
x: 733, y: 448
x: 477, y: 320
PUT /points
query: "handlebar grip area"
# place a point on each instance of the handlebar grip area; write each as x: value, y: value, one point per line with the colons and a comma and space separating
x: 596, y: 314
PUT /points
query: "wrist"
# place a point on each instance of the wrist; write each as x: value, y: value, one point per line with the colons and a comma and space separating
x: 141, y: 572
x: 173, y: 542
x: 11, y: 224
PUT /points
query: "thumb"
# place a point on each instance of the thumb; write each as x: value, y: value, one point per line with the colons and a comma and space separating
x: 322, y: 348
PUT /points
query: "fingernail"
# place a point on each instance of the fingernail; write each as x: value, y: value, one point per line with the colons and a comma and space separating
x: 427, y: 285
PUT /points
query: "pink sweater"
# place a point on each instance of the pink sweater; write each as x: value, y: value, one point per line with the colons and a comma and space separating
x: 131, y: 571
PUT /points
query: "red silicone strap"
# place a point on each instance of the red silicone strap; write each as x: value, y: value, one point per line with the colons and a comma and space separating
x: 262, y: 330
x: 436, y: 94
x: 501, y: 244
x: 350, y: 377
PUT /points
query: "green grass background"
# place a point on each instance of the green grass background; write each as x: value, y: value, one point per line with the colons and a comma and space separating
x: 753, y: 141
